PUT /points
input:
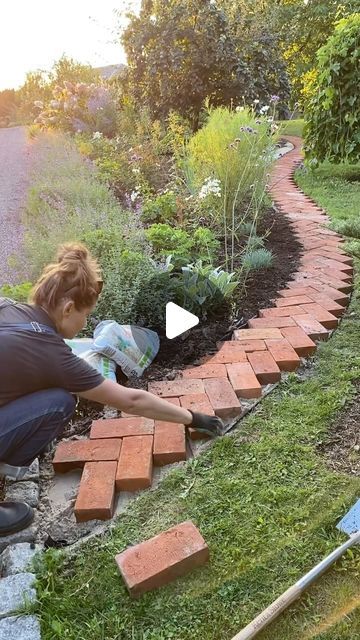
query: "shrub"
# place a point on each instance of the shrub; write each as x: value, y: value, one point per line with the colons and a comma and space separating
x: 161, y: 209
x: 183, y: 246
x: 333, y: 112
x: 258, y: 259
x: 135, y: 291
x: 201, y: 289
x: 234, y: 149
x: 18, y: 292
x: 78, y: 107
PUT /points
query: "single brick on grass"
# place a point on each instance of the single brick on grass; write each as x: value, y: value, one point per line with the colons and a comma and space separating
x: 121, y: 427
x: 176, y: 388
x: 169, y: 443
x: 134, y: 469
x: 243, y: 380
x: 222, y: 398
x: 160, y: 560
x: 298, y: 339
x: 95, y: 500
x: 74, y: 453
x: 284, y: 354
x: 265, y: 367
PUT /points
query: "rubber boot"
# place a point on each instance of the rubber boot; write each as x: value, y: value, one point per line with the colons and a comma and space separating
x: 14, y: 516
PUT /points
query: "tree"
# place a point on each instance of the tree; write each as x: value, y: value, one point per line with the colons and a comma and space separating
x: 332, y: 129
x: 183, y: 51
x: 7, y: 106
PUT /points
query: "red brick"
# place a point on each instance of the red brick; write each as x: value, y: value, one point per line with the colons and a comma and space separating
x: 284, y: 354
x: 222, y: 398
x: 335, y: 255
x: 289, y: 293
x: 162, y: 559
x: 121, y: 427
x: 298, y: 339
x: 331, y: 273
x: 334, y: 294
x: 265, y: 367
x: 280, y: 312
x: 327, y: 279
x: 257, y: 334
x: 95, y: 500
x: 246, y: 345
x: 176, y: 388
x: 169, y: 443
x: 312, y: 327
x: 134, y: 469
x: 243, y: 380
x: 199, y: 403
x: 321, y: 315
x: 74, y: 453
x: 292, y: 302
x: 327, y: 263
x: 227, y: 354
x: 258, y: 323
x: 327, y: 303
x: 205, y: 371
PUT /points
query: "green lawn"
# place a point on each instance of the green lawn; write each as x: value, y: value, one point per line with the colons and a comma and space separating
x: 266, y: 504
x: 292, y: 127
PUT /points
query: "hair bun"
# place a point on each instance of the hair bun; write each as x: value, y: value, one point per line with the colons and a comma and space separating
x: 72, y: 252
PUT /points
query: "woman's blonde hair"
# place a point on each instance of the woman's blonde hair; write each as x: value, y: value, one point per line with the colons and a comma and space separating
x: 76, y: 275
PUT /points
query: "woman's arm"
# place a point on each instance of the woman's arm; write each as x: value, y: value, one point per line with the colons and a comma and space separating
x: 137, y: 402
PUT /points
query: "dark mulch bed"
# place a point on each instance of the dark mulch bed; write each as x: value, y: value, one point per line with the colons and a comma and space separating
x: 342, y: 446
x: 261, y: 287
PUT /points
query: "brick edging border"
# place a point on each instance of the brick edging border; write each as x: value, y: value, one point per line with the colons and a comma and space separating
x: 120, y: 453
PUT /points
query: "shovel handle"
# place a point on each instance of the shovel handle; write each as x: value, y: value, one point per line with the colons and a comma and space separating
x: 270, y: 613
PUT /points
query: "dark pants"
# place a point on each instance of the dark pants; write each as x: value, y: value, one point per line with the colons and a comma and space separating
x: 28, y: 424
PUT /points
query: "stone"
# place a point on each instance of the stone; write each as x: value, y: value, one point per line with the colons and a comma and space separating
x: 20, y: 628
x: 23, y: 492
x: 16, y: 558
x: 15, y: 591
x: 26, y: 535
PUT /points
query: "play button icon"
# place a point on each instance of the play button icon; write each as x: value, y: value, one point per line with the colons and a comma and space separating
x: 178, y: 320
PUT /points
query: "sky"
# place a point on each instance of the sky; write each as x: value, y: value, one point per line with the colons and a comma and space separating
x: 34, y: 34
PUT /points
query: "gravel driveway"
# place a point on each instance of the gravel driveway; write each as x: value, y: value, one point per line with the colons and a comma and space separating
x: 15, y: 163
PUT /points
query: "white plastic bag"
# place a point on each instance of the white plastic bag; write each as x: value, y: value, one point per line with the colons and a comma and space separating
x: 83, y: 348
x: 132, y: 348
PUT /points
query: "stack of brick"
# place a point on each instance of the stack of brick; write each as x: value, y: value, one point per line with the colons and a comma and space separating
x: 121, y: 452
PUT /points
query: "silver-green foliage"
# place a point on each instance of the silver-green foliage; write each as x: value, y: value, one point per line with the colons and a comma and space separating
x: 258, y: 259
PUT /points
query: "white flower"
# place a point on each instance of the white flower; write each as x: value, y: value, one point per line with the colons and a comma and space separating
x: 264, y: 109
x: 240, y: 109
x: 210, y: 186
x: 39, y: 104
x: 135, y: 170
x: 270, y: 119
x: 134, y: 195
x: 256, y: 101
x: 97, y: 135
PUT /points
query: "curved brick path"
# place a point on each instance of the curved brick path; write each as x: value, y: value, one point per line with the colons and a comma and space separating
x: 120, y: 452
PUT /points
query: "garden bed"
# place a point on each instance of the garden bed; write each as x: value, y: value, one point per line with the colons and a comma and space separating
x: 261, y: 288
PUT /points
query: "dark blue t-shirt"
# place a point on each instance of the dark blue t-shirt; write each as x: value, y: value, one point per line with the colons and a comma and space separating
x: 31, y: 361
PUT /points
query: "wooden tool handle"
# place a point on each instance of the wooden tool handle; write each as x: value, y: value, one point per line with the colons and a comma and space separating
x: 269, y: 614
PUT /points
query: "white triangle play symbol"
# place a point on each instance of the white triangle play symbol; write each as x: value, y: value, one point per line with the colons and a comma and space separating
x: 178, y: 320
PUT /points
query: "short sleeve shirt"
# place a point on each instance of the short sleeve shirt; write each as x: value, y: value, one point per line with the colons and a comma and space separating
x: 31, y: 361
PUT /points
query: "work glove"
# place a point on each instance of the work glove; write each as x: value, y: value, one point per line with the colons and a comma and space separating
x: 210, y: 425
